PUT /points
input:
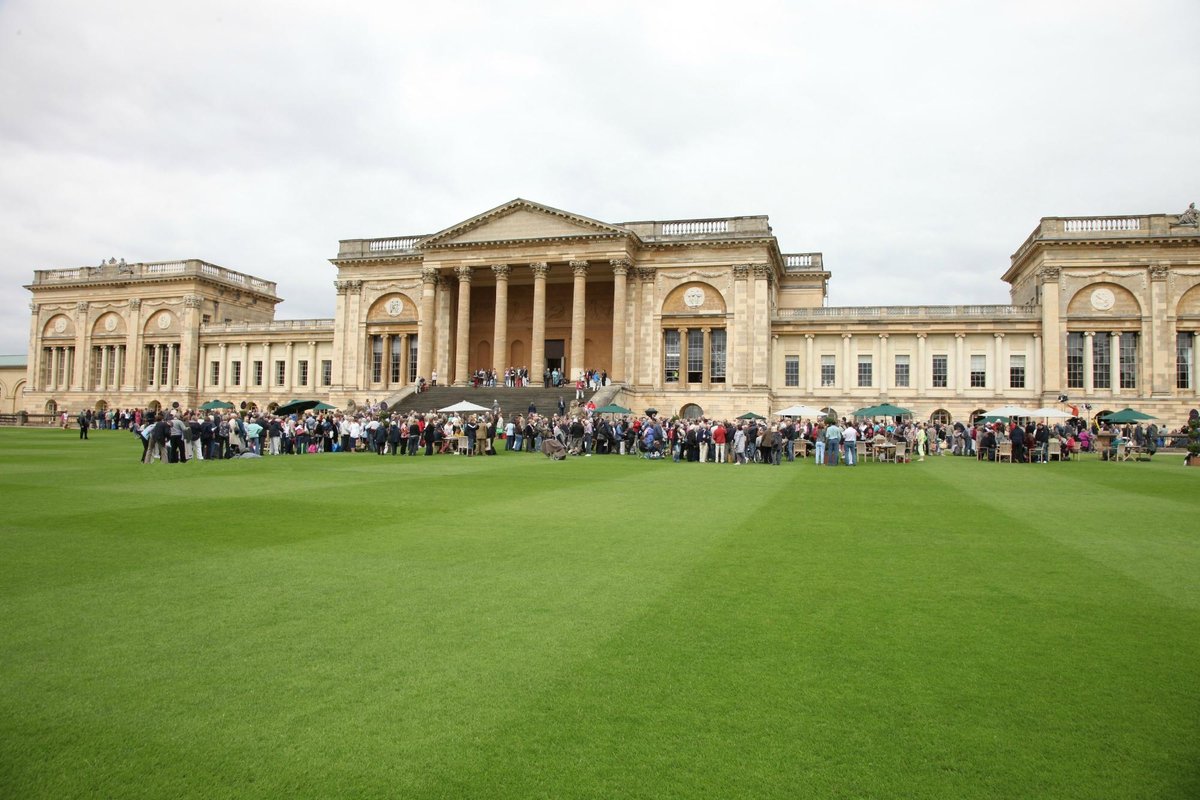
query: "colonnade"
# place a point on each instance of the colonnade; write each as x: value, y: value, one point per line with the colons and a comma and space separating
x: 540, y: 271
x: 108, y: 367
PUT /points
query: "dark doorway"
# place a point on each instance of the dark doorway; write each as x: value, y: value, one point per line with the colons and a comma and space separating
x: 555, y: 354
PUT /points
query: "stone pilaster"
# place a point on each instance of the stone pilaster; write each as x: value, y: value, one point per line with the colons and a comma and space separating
x: 537, y: 347
x: 741, y: 326
x: 1114, y: 362
x: 462, y: 334
x: 83, y: 340
x: 500, y: 331
x: 1158, y: 338
x: 760, y: 320
x: 649, y: 336
x: 578, y: 318
x: 1053, y: 331
x: 1089, y: 362
x: 429, y: 278
x: 620, y: 268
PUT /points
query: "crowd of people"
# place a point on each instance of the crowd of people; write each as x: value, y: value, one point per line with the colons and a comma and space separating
x: 177, y: 436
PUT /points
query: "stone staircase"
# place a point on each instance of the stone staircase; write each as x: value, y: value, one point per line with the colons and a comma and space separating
x: 512, y: 401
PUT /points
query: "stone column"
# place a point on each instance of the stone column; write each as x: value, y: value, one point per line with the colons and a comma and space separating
x: 683, y: 358
x: 920, y: 370
x: 429, y: 278
x: 1088, y: 362
x: 289, y: 369
x: 1114, y: 362
x: 882, y: 362
x: 961, y: 378
x: 810, y: 368
x: 52, y: 383
x: 1034, y: 370
x: 105, y: 353
x: 537, y: 347
x: 133, y: 346
x: 1053, y: 369
x: 314, y: 373
x: 994, y: 378
x: 847, y: 383
x: 190, y: 369
x: 707, y: 358
x: 403, y: 359
x: 33, y: 376
x: 83, y: 340
x: 462, y: 334
x: 1157, y: 351
x: 119, y: 370
x: 223, y: 376
x: 578, y: 318
x: 620, y: 268
x: 500, y: 331
x: 385, y: 362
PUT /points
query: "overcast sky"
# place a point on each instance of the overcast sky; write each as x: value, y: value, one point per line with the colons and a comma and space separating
x: 915, y: 144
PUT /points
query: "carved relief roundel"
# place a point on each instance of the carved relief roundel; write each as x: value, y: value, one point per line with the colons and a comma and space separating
x: 395, y: 307
x: 1103, y: 299
x: 60, y: 324
x: 164, y: 321
x: 110, y: 323
x: 693, y: 297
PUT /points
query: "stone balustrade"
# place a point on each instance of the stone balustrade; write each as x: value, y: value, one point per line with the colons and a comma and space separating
x: 910, y: 312
x: 729, y: 227
x: 803, y: 262
x: 358, y: 248
x: 1052, y: 229
x: 110, y: 272
x: 279, y: 325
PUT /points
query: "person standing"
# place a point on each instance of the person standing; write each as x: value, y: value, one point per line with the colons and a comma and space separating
x: 850, y: 442
x: 83, y: 425
x: 718, y: 438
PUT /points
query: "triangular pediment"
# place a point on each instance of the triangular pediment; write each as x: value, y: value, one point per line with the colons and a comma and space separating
x: 521, y: 220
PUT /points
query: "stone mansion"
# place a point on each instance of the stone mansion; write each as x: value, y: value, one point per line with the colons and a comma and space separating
x: 704, y: 316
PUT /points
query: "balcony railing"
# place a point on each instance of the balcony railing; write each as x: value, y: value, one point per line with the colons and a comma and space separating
x: 910, y: 312
x: 1074, y: 228
x: 358, y: 248
x: 728, y: 227
x: 111, y: 271
x: 803, y: 262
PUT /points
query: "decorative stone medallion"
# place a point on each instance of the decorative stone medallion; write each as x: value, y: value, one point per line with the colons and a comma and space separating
x: 60, y: 325
x: 693, y: 297
x: 164, y: 321
x: 110, y: 323
x: 395, y: 307
x: 1103, y: 299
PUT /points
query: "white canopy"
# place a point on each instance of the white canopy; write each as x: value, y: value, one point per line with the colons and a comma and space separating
x: 464, y: 405
x: 800, y: 411
x: 1011, y: 411
x: 1049, y: 413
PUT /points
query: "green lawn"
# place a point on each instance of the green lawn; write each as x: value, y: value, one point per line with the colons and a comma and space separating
x: 360, y: 626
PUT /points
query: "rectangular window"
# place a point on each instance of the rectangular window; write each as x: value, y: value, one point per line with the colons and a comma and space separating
x: 326, y: 372
x: 235, y: 372
x: 47, y: 360
x: 258, y: 373
x: 866, y: 369
x: 395, y: 360
x: 791, y: 370
x: 1016, y: 372
x: 214, y: 373
x: 376, y: 359
x: 695, y: 355
x: 828, y: 370
x: 164, y: 367
x: 902, y: 372
x: 412, y: 358
x: 1184, y: 359
x: 302, y: 372
x: 1101, y: 362
x: 280, y: 372
x: 151, y: 371
x: 716, y: 360
x: 97, y: 366
x: 671, y: 356
x: 1075, y: 360
x: 1129, y: 360
x: 978, y: 371
x: 940, y: 373
x: 114, y: 360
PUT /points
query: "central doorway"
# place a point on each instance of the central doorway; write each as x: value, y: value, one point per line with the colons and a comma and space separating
x: 555, y: 355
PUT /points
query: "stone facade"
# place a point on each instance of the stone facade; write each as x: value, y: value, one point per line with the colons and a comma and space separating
x: 688, y: 316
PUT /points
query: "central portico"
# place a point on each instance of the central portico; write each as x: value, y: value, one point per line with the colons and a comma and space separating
x: 527, y: 285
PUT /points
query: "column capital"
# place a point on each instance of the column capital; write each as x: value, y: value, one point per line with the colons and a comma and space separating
x: 193, y: 301
x: 501, y: 271
x: 922, y: 336
x: 620, y: 266
x: 1115, y: 335
x: 810, y: 336
x: 762, y: 271
x: 580, y: 268
x: 847, y: 336
x: 290, y: 345
x: 135, y: 303
x: 464, y: 274
x: 221, y: 345
x: 960, y: 336
x: 709, y: 330
x: 883, y: 336
x: 998, y: 335
x: 81, y: 306
x: 1158, y: 272
x: 312, y: 344
x: 1048, y: 274
x: 741, y: 272
x: 1089, y: 334
x: 646, y: 274
x: 540, y: 269
x: 429, y: 275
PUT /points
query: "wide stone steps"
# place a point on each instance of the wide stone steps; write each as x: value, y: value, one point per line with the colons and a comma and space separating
x: 512, y: 401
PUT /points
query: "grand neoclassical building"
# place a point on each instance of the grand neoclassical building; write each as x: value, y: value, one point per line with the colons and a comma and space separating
x: 707, y: 315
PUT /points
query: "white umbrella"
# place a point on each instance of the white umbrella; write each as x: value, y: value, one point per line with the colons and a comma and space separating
x: 464, y: 405
x: 1010, y: 411
x: 799, y: 411
x: 1049, y: 413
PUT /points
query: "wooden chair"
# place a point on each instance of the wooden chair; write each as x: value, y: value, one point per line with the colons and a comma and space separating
x: 1122, y: 452
x: 1004, y: 451
x: 861, y: 452
x: 1054, y: 450
x: 900, y: 454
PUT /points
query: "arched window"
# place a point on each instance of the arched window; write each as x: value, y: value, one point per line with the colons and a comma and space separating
x: 51, y: 407
x: 829, y: 411
x: 976, y: 414
x: 691, y: 411
x: 941, y: 417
